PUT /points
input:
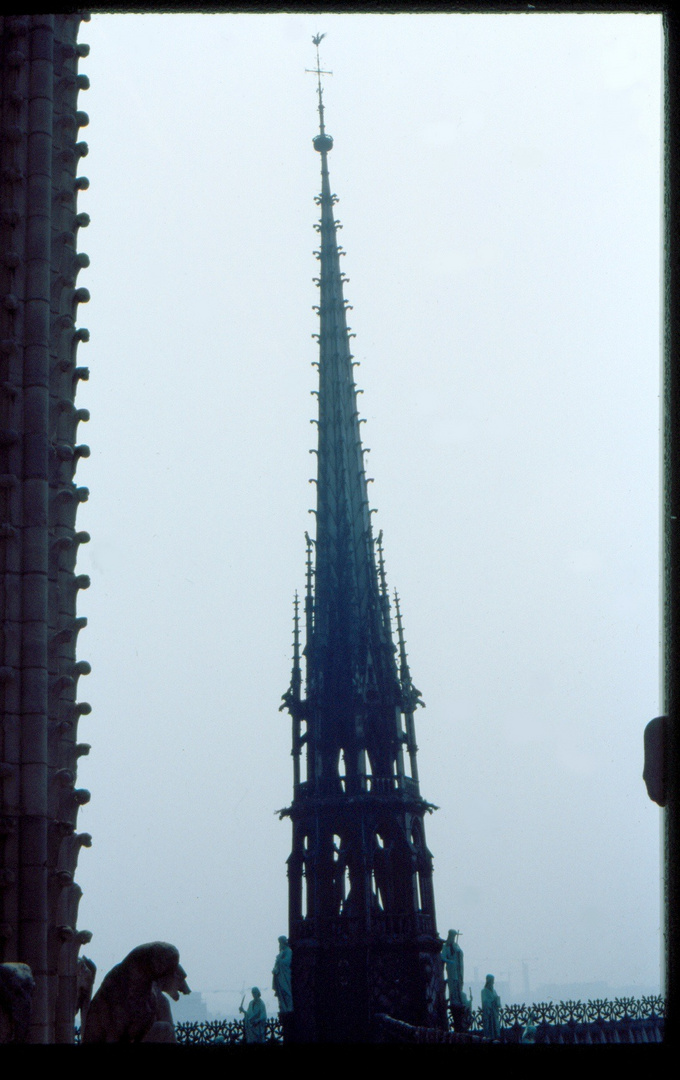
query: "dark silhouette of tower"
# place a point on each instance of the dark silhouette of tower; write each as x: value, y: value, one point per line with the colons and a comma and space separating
x: 361, y: 905
x: 39, y: 498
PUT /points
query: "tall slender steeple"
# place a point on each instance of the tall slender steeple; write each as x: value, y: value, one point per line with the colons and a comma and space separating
x: 362, y: 920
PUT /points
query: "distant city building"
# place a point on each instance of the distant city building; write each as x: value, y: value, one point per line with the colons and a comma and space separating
x: 190, y: 1009
x: 591, y: 991
x: 361, y: 905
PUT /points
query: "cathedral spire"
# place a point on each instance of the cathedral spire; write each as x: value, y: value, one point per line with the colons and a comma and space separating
x: 351, y: 658
x: 361, y: 906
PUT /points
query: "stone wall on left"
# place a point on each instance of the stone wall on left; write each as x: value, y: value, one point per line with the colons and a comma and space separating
x: 40, y: 154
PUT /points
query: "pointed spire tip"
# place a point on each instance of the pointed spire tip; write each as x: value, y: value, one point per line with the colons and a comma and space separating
x: 321, y: 142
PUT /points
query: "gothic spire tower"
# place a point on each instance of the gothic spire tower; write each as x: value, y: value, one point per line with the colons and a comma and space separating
x: 361, y: 905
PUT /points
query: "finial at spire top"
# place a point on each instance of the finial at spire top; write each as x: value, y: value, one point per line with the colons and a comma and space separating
x: 322, y: 142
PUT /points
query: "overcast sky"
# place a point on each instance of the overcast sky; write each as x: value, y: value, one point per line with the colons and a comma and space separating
x: 499, y: 183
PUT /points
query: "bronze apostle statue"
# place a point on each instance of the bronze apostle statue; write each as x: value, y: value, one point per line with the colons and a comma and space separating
x: 255, y: 1018
x: 491, y: 1011
x: 460, y: 1006
x: 282, y: 983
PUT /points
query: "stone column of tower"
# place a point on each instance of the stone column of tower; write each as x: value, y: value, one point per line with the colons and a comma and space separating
x: 361, y: 905
x: 39, y: 497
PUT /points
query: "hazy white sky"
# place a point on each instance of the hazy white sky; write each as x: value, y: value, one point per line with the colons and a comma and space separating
x: 499, y: 189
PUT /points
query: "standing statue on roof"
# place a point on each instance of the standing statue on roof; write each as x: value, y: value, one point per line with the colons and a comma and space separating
x: 452, y: 955
x: 255, y: 1017
x: 491, y: 1011
x: 282, y: 983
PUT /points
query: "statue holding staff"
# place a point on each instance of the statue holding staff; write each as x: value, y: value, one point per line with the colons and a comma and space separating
x: 459, y: 1004
x: 255, y: 1017
x: 452, y: 955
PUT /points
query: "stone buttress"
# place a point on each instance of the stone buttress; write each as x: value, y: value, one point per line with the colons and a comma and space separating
x: 39, y: 498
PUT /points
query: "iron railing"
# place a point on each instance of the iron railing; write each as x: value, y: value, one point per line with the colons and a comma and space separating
x: 576, y: 1012
x: 615, y: 1020
x: 229, y: 1032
